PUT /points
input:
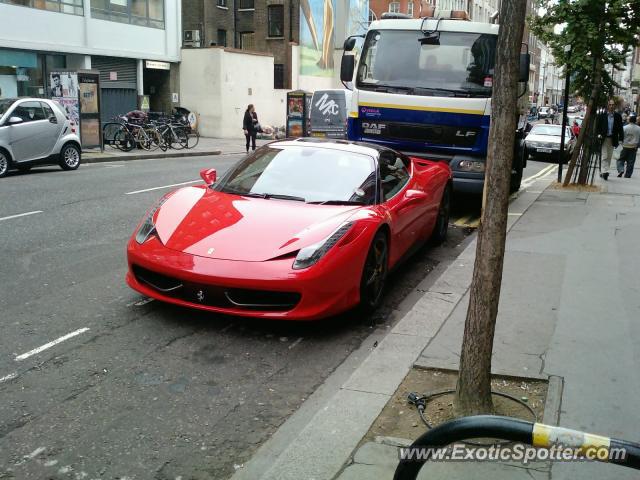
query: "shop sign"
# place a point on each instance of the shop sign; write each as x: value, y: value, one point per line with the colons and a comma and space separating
x: 152, y: 64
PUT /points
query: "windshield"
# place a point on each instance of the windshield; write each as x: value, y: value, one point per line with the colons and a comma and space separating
x: 4, y: 105
x: 461, y: 64
x: 553, y: 130
x: 304, y: 173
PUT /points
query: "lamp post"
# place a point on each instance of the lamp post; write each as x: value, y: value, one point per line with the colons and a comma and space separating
x: 565, y: 102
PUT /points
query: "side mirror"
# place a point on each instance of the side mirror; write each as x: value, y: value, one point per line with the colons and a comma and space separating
x: 209, y: 176
x: 347, y: 67
x: 525, y: 61
x: 14, y: 121
x: 349, y: 44
x: 53, y: 119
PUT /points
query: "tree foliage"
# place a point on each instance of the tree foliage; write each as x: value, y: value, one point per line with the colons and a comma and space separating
x: 594, y: 29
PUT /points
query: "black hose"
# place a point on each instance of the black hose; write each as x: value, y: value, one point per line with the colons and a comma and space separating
x: 476, y: 444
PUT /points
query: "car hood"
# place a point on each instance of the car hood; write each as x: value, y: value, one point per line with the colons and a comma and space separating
x: 203, y: 222
x: 544, y: 138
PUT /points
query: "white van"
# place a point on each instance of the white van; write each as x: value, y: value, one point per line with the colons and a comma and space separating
x: 329, y: 110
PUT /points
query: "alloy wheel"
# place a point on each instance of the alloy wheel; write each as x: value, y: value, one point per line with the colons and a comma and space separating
x: 4, y: 164
x: 376, y: 269
x: 71, y: 157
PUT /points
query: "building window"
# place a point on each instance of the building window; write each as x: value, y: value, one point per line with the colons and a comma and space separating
x: 276, y: 20
x: 247, y: 40
x: 410, y: 8
x: 222, y: 38
x: 147, y: 13
x: 222, y: 3
x: 372, y: 16
x: 74, y: 7
x: 278, y: 75
x: 394, y: 7
x: 246, y: 5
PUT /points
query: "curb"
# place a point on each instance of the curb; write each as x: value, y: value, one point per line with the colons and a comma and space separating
x: 87, y: 158
x: 319, y: 441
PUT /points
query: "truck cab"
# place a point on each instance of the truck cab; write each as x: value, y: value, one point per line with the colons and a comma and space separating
x: 423, y: 87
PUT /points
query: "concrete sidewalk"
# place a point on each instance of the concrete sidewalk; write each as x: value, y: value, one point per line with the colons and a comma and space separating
x: 569, y: 309
x: 206, y: 146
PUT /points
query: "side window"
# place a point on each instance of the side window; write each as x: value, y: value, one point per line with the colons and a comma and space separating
x: 48, y: 113
x: 393, y: 174
x: 29, y: 112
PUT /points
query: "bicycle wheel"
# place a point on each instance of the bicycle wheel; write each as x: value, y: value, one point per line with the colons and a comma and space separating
x: 157, y: 138
x: 153, y: 138
x: 109, y: 131
x: 168, y: 137
x: 179, y: 135
x: 143, y: 139
x: 192, y: 138
x: 124, y: 140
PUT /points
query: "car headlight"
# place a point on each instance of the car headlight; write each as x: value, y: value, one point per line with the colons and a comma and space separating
x: 532, y: 144
x: 148, y: 228
x: 471, y: 166
x: 310, y: 255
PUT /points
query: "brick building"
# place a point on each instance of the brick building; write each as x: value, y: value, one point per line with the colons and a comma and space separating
x: 378, y: 7
x: 268, y: 26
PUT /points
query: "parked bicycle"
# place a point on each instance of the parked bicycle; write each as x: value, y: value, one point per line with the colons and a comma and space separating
x: 150, y: 131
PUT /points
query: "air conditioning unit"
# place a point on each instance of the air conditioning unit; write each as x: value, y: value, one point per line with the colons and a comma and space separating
x: 191, y: 38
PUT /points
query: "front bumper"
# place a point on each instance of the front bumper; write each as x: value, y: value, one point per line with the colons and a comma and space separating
x: 330, y: 287
x: 469, y: 183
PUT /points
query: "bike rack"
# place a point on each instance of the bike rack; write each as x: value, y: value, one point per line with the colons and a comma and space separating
x: 515, y: 430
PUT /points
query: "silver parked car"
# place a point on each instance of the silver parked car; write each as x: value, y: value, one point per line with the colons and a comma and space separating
x: 36, y: 131
x: 543, y: 142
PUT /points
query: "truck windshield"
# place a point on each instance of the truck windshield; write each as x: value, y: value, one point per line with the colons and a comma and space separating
x: 397, y: 61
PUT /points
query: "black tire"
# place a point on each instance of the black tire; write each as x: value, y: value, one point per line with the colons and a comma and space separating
x: 441, y: 227
x: 5, y: 163
x: 124, y: 140
x: 374, y: 273
x: 70, y: 156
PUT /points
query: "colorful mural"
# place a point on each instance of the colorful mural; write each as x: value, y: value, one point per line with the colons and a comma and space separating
x: 317, y: 32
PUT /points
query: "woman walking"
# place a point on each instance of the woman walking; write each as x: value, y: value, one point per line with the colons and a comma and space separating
x: 251, y: 126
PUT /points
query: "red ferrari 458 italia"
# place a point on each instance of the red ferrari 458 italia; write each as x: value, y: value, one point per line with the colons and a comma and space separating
x: 300, y: 230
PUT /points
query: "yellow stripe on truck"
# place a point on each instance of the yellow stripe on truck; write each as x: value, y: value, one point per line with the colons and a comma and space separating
x: 423, y: 109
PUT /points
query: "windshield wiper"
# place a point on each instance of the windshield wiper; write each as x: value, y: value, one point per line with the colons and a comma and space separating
x: 336, y: 202
x: 243, y: 194
x: 452, y: 91
x: 279, y: 196
x: 266, y: 196
x: 381, y: 87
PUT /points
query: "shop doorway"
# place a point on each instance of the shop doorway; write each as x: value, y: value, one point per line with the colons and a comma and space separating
x: 157, y: 84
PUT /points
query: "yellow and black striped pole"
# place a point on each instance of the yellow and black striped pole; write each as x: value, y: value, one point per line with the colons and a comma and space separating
x: 588, y: 446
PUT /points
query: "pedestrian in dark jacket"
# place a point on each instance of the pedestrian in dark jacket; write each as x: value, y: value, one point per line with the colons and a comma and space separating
x: 609, y: 125
x: 251, y: 126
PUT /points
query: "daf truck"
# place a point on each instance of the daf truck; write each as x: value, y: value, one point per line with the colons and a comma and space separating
x: 424, y: 86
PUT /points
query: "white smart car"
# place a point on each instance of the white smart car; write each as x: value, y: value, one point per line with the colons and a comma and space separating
x: 37, y: 131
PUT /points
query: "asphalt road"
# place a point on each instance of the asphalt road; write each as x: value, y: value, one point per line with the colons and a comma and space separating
x: 98, y: 382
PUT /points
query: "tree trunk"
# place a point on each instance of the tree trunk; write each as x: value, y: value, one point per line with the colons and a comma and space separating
x: 473, y: 391
x: 586, y: 124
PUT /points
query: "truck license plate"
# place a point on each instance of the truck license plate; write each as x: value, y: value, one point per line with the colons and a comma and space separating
x: 544, y: 150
